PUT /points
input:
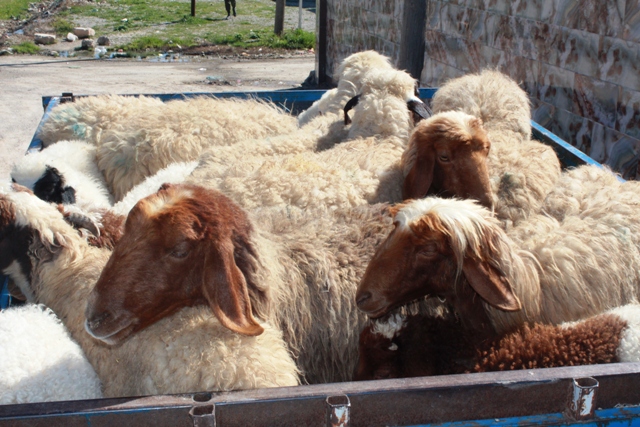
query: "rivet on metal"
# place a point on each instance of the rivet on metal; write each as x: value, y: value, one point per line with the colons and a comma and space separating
x: 583, y: 402
x: 338, y: 408
x: 203, y: 415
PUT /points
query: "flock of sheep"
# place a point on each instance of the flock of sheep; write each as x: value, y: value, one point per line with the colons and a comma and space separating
x: 212, y: 244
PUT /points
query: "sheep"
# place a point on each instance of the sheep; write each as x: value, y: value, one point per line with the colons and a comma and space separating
x: 137, y: 136
x: 478, y: 145
x: 363, y: 169
x: 403, y: 346
x: 491, y: 96
x: 544, y: 271
x: 192, y: 245
x: 172, y: 174
x: 188, y: 351
x: 65, y: 172
x: 348, y: 75
x: 40, y: 361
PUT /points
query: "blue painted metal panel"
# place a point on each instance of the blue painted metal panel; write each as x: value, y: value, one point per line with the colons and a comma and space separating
x: 615, y: 417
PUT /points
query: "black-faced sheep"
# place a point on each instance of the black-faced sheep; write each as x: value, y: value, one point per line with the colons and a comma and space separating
x: 402, y: 346
x: 137, y: 136
x: 455, y: 249
x: 185, y: 352
x: 189, y: 245
x: 481, y: 132
x: 66, y: 173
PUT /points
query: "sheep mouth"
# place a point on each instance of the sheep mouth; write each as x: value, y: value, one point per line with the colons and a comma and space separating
x: 112, y: 334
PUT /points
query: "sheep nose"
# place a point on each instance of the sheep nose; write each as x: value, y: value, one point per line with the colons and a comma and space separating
x: 96, y: 320
x: 363, y: 298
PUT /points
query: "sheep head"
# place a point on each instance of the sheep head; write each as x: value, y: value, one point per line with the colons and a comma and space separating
x: 182, y: 246
x: 31, y: 230
x: 440, y: 247
x: 447, y: 156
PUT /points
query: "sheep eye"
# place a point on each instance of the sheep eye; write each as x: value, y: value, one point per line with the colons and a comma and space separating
x: 443, y: 158
x: 180, y: 251
x: 429, y: 250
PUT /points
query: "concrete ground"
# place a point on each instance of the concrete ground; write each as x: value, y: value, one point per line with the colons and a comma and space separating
x: 25, y: 79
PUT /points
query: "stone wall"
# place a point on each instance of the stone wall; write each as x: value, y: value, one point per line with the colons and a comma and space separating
x: 578, y: 60
x: 356, y: 25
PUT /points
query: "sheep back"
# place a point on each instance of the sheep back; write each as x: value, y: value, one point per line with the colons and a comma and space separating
x: 40, y: 361
x: 491, y: 96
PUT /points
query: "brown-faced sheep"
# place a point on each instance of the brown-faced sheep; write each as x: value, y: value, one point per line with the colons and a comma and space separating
x: 189, y: 245
x: 188, y: 351
x: 455, y: 249
x: 480, y: 134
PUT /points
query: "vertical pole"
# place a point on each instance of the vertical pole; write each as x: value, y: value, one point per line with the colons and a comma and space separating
x: 279, y: 25
x: 321, y: 41
x: 193, y: 7
x: 412, y: 45
x: 300, y: 15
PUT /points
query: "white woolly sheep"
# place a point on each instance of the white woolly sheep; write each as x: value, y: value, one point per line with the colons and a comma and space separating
x: 40, y: 362
x: 349, y: 80
x: 478, y: 145
x: 364, y: 169
x: 544, y: 271
x: 65, y: 172
x: 296, y: 271
x: 137, y: 136
x: 401, y: 346
x: 173, y: 174
x: 188, y: 351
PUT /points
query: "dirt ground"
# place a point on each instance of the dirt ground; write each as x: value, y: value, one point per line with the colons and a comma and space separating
x: 25, y: 79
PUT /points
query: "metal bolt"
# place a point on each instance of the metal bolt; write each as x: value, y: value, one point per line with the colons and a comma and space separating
x: 203, y: 415
x: 338, y: 408
x: 583, y: 400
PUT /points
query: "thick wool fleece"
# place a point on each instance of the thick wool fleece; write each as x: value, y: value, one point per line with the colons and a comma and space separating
x: 186, y: 352
x: 522, y: 171
x: 138, y: 136
x: 421, y: 345
x: 40, y: 362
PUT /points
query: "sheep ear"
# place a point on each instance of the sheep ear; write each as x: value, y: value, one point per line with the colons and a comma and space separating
x: 225, y: 288
x: 68, y: 195
x: 350, y: 104
x: 492, y: 286
x: 418, y: 180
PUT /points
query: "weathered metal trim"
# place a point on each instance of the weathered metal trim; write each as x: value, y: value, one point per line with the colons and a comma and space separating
x: 583, y: 398
x: 411, y: 401
x: 338, y: 411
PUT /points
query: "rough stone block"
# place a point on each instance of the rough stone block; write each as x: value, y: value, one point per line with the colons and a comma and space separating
x: 44, y: 38
x: 84, y: 33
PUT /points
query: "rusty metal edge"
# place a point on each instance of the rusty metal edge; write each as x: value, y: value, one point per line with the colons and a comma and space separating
x: 621, y: 374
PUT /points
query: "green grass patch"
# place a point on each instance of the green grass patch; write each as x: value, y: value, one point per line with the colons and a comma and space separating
x: 14, y: 9
x: 290, y: 39
x: 63, y: 26
x: 164, y: 24
x: 26, y: 48
x: 155, y: 43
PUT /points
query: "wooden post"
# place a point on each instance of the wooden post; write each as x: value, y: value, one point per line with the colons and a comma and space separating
x: 321, y: 42
x: 193, y: 8
x: 412, y: 45
x: 279, y: 25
